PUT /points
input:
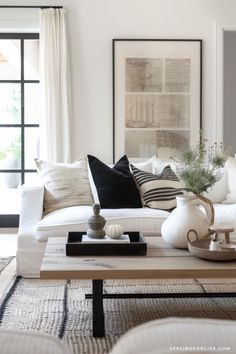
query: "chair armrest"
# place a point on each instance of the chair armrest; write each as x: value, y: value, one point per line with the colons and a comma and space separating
x: 31, y: 208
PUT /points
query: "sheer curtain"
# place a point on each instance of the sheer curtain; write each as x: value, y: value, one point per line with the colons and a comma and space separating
x: 55, y: 87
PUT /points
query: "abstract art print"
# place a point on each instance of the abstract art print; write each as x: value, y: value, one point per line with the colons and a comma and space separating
x: 156, y: 96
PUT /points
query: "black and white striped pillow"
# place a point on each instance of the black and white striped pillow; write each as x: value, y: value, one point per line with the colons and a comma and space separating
x: 158, y: 191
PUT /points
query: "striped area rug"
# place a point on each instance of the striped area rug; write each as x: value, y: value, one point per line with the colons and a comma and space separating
x: 4, y: 261
x: 7, y: 275
x: 59, y: 308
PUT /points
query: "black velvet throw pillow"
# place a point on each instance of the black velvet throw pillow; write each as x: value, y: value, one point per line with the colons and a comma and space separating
x: 116, y: 187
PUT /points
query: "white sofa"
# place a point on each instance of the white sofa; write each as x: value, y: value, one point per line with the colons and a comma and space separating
x: 34, y: 229
x: 19, y: 342
x: 179, y: 335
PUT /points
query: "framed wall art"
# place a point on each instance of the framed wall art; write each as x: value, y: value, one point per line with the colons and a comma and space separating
x: 157, y: 96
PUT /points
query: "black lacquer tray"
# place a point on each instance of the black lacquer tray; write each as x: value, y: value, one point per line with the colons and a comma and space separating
x: 136, y: 247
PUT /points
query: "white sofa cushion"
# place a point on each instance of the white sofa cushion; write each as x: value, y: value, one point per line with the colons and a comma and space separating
x: 65, y: 184
x: 59, y: 222
x: 179, y: 335
x: 226, y: 214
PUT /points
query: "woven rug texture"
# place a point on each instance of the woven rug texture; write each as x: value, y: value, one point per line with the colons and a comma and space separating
x: 7, y: 275
x: 4, y: 261
x: 59, y: 308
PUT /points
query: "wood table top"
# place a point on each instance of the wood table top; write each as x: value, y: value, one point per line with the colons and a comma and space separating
x: 161, y: 262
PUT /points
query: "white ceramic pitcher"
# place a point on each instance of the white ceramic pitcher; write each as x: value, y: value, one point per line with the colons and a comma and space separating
x: 187, y: 215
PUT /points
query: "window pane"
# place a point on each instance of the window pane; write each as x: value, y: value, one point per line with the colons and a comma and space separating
x: 31, y: 59
x: 32, y: 106
x: 9, y: 181
x: 10, y: 103
x: 10, y: 59
x: 32, y: 178
x: 31, y: 147
x: 10, y: 148
x: 10, y: 197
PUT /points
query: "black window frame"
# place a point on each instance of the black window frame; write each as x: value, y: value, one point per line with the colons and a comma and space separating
x: 11, y: 220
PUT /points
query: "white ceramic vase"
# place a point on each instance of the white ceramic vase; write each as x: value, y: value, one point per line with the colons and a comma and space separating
x: 186, y: 216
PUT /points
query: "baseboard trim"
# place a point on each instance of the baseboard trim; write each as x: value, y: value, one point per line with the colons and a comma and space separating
x: 9, y: 221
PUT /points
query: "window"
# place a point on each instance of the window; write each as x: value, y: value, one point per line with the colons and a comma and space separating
x: 19, y: 114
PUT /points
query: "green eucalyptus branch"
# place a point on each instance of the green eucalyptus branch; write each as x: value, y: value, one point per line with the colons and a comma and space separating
x: 200, y: 167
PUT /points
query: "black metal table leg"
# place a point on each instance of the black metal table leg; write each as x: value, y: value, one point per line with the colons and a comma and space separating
x: 98, y: 313
x: 97, y: 297
x: 163, y: 295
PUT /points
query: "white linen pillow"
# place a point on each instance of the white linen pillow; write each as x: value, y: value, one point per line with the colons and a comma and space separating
x: 160, y: 164
x: 217, y: 193
x: 65, y: 184
x: 231, y: 173
x: 146, y: 166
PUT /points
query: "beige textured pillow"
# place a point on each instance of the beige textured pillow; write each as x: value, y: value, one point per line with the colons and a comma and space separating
x: 65, y: 184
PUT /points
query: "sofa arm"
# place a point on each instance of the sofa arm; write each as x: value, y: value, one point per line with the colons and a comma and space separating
x: 31, y: 208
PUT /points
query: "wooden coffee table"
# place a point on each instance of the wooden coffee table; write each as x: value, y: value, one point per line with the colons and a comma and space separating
x: 161, y: 262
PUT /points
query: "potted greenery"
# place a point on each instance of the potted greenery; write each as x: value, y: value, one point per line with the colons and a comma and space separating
x: 10, y: 156
x: 199, y: 168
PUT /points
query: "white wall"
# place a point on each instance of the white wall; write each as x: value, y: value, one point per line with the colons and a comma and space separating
x: 93, y: 24
x: 229, y: 90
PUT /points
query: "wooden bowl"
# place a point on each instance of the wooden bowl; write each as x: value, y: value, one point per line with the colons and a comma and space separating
x: 200, y: 248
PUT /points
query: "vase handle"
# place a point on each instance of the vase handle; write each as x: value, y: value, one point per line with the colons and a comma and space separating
x: 188, y: 235
x: 208, y: 206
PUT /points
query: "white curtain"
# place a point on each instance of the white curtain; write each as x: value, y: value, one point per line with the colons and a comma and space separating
x: 55, y: 87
